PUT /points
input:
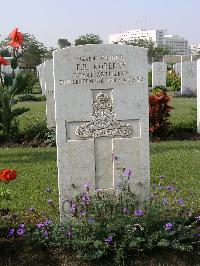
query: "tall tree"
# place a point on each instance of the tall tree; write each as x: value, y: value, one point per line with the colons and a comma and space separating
x: 63, y: 43
x: 155, y: 53
x: 88, y: 39
x: 31, y: 52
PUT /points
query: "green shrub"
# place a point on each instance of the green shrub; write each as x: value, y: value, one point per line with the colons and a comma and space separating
x: 104, y: 224
x: 173, y: 80
x: 159, y: 110
x: 36, y: 130
x: 51, y: 137
x: 30, y: 97
x: 150, y: 79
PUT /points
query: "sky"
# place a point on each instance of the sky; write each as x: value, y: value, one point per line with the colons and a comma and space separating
x: 49, y: 20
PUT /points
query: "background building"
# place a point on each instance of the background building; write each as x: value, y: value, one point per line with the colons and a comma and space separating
x: 149, y: 35
x: 195, y: 49
x: 177, y: 45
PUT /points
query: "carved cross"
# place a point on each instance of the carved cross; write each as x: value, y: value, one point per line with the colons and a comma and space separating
x: 103, y: 128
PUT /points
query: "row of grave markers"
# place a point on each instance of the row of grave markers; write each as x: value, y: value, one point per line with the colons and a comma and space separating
x: 187, y: 71
x: 97, y: 97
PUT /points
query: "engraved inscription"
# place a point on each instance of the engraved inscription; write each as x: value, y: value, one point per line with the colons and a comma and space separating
x: 102, y: 69
x: 104, y: 123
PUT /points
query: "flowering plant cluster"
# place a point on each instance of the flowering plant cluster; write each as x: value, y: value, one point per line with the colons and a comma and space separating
x: 159, y: 110
x: 11, y: 84
x: 101, y: 224
x: 6, y: 176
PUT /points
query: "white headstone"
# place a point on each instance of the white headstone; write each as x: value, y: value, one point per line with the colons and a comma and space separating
x: 42, y: 77
x: 49, y: 92
x: 101, y: 98
x: 189, y: 78
x: 159, y: 73
x: 198, y: 96
x: 177, y: 68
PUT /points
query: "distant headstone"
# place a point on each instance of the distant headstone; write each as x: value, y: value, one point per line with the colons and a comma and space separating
x: 189, y: 78
x: 177, y: 68
x: 159, y: 73
x: 49, y: 92
x: 198, y: 96
x: 42, y: 77
x: 102, y: 127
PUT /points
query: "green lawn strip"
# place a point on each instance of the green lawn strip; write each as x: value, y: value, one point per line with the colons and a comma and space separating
x: 179, y: 161
x: 36, y: 168
x: 36, y: 112
x: 185, y: 113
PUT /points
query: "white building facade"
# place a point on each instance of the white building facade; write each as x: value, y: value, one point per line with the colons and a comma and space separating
x: 176, y: 44
x: 149, y: 35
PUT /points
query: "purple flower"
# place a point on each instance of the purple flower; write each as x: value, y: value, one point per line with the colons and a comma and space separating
x: 87, y: 186
x: 47, y: 222
x: 170, y: 188
x: 196, y: 235
x: 125, y: 210
x: 168, y: 226
x: 115, y: 157
x: 11, y: 232
x: 180, y: 202
x: 165, y: 201
x: 40, y: 225
x: 73, y: 207
x: 83, y: 213
x: 20, y: 231
x: 91, y: 220
x: 46, y: 234
x: 128, y: 173
x: 48, y: 189
x: 32, y: 210
x: 108, y: 240
x: 85, y: 198
x: 198, y: 218
x: 69, y: 233
x: 50, y: 201
x: 138, y: 212
x: 21, y: 226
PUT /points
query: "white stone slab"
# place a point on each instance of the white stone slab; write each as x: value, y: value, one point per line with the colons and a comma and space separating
x: 49, y: 92
x: 42, y: 77
x: 189, y: 78
x: 177, y: 68
x: 198, y: 96
x: 101, y: 98
x: 159, y: 73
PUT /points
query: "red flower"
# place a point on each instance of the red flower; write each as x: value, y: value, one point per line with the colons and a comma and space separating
x: 16, y: 38
x: 3, y: 61
x: 7, y: 175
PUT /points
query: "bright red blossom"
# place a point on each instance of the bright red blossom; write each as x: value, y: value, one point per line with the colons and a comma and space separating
x: 16, y: 38
x: 3, y: 61
x: 7, y: 175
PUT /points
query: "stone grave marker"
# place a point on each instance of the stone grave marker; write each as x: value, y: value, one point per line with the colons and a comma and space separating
x: 42, y: 77
x: 49, y: 92
x: 159, y: 73
x: 198, y: 96
x: 101, y: 98
x: 189, y: 78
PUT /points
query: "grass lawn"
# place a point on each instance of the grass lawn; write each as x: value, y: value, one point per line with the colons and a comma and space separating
x: 37, y: 111
x: 179, y: 161
x: 184, y: 116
